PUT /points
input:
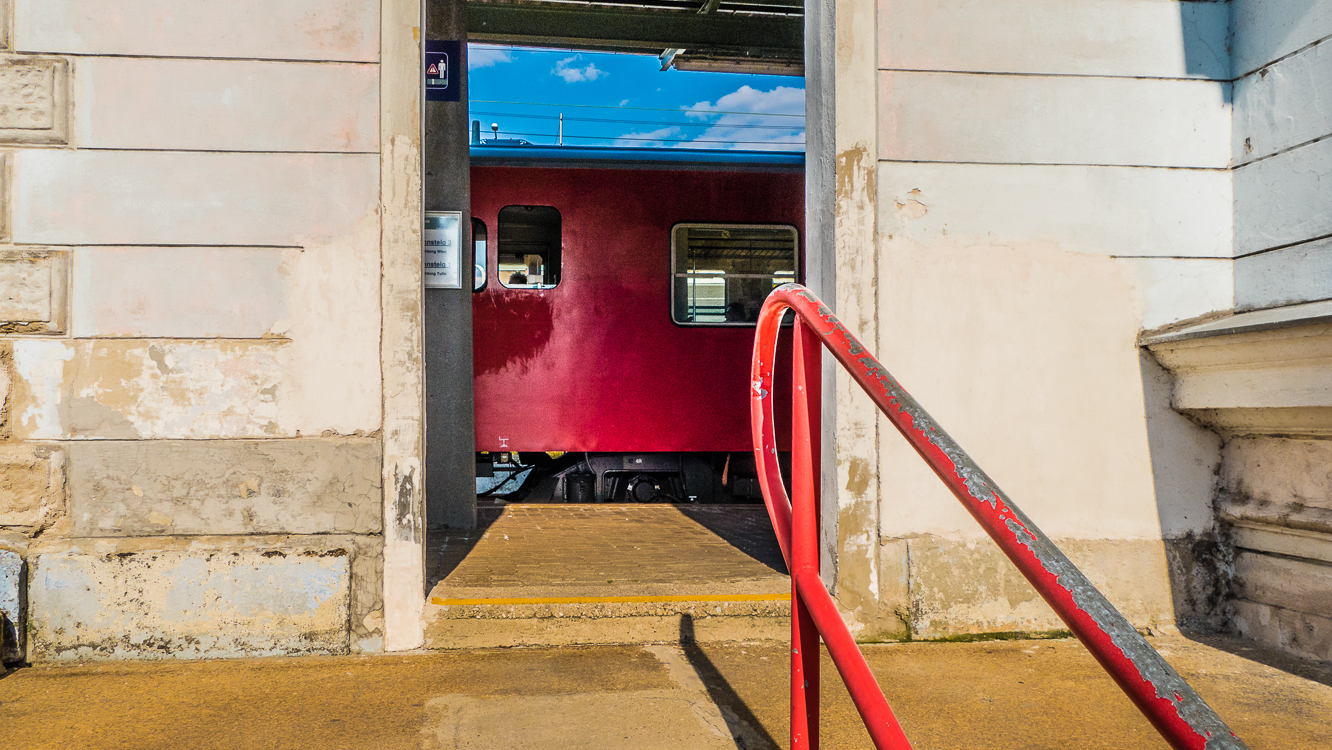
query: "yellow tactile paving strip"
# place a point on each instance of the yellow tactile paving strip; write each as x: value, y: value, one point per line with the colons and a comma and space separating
x: 616, y: 599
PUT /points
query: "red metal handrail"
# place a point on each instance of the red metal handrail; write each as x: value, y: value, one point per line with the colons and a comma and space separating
x: 1177, y: 712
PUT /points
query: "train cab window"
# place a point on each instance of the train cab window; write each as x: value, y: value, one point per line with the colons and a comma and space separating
x: 478, y: 255
x: 529, y: 247
x: 723, y: 272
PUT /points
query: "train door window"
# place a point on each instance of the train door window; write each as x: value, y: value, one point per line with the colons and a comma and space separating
x: 723, y: 272
x: 529, y: 247
x: 479, y: 255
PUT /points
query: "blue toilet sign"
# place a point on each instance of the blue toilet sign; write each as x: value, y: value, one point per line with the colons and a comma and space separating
x: 443, y: 79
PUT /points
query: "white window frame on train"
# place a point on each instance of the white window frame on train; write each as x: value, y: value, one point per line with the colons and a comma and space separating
x: 686, y: 283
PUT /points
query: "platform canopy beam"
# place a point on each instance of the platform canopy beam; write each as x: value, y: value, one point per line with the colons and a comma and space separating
x: 646, y: 28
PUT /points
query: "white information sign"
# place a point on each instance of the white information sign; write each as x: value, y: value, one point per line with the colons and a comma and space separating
x: 443, y: 247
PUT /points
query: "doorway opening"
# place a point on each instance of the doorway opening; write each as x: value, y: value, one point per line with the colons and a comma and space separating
x: 636, y: 240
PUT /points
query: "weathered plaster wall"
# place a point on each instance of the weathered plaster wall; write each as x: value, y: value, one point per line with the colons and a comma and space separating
x: 1048, y: 179
x: 1276, y: 495
x: 192, y: 458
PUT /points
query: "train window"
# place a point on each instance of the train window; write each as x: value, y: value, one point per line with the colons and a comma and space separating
x: 478, y: 255
x: 723, y: 272
x: 529, y: 247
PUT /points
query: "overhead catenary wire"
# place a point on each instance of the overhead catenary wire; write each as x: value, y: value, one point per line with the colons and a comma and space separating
x: 642, y: 122
x: 662, y: 140
x: 645, y: 109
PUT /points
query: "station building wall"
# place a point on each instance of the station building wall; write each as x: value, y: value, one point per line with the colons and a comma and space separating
x: 1022, y: 188
x: 194, y: 418
x: 210, y: 271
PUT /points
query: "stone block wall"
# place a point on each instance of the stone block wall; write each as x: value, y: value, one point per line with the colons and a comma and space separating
x: 1276, y: 497
x: 1282, y: 152
x: 191, y: 452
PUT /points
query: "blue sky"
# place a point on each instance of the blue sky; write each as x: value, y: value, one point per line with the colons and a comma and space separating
x: 626, y: 100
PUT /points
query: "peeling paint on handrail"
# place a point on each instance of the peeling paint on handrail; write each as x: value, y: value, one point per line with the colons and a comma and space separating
x: 1177, y: 712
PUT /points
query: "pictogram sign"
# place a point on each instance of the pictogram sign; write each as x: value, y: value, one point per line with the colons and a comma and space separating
x: 443, y: 77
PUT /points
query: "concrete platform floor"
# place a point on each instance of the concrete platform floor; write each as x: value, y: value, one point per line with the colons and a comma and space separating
x: 1024, y: 695
x: 596, y: 548
x: 561, y: 575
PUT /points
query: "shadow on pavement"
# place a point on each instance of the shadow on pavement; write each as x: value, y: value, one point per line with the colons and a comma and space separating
x: 1253, y: 651
x: 745, y: 728
x: 446, y: 548
x: 745, y: 527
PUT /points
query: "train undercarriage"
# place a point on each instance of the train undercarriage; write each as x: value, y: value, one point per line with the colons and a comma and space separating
x: 588, y: 477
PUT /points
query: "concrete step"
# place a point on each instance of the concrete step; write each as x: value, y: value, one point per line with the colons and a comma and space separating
x: 557, y: 575
x: 461, y: 619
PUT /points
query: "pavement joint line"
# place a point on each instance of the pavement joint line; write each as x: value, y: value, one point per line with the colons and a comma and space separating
x: 615, y: 599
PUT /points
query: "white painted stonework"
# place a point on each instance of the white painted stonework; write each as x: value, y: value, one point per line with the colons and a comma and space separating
x: 1238, y: 382
x: 226, y: 105
x: 1288, y: 276
x: 1176, y: 289
x: 146, y: 389
x: 33, y: 284
x: 1284, y: 105
x: 1003, y: 119
x: 162, y: 198
x: 1128, y: 38
x: 1096, y: 210
x: 263, y: 29
x: 34, y: 96
x: 1270, y: 29
x: 182, y: 292
x: 1282, y: 200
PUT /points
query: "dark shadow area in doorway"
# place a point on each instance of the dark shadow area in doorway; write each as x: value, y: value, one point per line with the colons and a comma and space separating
x: 446, y: 548
x: 745, y: 527
x: 744, y: 726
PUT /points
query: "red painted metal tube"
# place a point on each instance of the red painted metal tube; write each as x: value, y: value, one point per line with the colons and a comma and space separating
x: 1177, y: 712
x: 804, y: 541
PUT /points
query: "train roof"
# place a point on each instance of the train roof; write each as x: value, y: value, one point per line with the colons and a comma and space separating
x: 610, y: 157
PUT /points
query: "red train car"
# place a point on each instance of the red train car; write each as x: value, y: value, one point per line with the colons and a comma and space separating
x: 613, y: 319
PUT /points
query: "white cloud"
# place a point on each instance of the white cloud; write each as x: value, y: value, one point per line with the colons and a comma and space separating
x: 485, y: 56
x: 571, y: 73
x: 783, y: 100
x: 729, y: 131
x: 649, y: 138
x: 623, y: 102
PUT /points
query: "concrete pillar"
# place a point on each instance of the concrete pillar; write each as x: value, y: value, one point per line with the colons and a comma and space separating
x: 401, y: 357
x: 842, y: 268
x: 450, y: 435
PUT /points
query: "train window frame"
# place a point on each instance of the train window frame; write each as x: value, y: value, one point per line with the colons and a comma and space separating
x: 677, y: 275
x: 552, y: 262
x: 480, y: 255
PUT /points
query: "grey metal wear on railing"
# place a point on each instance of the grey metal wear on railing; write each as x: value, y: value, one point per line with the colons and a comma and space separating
x: 1177, y: 712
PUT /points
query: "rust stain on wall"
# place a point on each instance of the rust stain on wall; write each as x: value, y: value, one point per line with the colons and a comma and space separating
x: 855, y: 178
x: 7, y: 382
x: 859, y: 476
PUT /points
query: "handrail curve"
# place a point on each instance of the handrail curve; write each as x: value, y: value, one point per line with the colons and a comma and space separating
x: 1178, y: 713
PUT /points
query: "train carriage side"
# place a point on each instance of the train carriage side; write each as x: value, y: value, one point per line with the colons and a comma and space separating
x: 613, y: 326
